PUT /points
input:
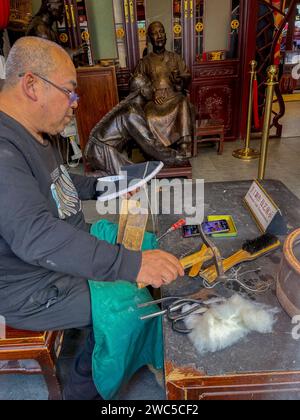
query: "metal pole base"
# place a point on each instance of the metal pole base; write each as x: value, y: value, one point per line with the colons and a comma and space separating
x: 246, y: 154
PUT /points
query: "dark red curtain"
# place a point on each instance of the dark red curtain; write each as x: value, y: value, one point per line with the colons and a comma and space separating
x: 4, y: 13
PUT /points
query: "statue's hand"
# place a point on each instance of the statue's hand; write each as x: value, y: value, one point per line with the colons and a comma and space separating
x: 159, y: 99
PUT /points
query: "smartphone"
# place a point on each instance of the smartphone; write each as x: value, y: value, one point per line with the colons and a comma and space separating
x: 217, y: 226
x: 189, y: 231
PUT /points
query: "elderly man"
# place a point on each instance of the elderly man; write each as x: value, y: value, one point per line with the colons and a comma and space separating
x: 170, y: 115
x: 46, y: 251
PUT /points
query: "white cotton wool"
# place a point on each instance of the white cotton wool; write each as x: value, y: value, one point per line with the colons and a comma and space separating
x: 225, y: 324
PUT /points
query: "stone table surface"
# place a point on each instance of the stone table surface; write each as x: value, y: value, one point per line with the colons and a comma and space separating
x: 257, y: 352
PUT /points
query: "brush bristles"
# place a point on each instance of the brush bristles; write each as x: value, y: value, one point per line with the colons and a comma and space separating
x: 259, y: 244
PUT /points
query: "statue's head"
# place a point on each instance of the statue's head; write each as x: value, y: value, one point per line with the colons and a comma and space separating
x: 157, y: 35
x: 141, y: 84
x: 55, y: 8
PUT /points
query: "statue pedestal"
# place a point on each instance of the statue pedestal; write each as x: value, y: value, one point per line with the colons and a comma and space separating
x: 184, y: 171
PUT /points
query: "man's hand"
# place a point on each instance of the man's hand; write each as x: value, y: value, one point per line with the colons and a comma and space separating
x: 159, y: 268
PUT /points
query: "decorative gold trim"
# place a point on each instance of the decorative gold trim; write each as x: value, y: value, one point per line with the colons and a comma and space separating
x: 186, y: 8
x: 68, y: 16
x: 120, y: 32
x: 142, y: 32
x: 131, y: 8
x: 74, y: 23
x: 216, y: 55
x: 235, y: 24
x: 126, y: 10
x: 199, y: 27
x: 63, y: 38
x: 85, y: 36
x: 177, y: 29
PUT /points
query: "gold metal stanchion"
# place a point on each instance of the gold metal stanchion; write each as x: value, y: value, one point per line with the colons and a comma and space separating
x: 272, y: 81
x: 247, y: 153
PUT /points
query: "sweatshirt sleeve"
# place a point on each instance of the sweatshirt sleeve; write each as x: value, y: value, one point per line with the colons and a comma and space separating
x: 85, y: 186
x: 39, y: 238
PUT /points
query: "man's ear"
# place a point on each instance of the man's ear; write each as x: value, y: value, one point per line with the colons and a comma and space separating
x: 29, y: 87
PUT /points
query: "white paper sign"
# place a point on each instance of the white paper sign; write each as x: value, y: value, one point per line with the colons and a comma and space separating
x: 261, y: 206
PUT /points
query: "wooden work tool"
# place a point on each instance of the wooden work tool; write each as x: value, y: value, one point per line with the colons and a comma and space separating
x: 251, y: 251
x: 194, y: 271
x: 205, y: 254
x: 135, y: 231
x: 132, y: 226
x: 126, y: 208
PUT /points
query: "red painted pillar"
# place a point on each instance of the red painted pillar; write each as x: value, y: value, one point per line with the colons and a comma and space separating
x: 250, y: 14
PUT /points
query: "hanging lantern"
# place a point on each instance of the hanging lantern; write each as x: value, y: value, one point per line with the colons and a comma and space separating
x: 4, y: 13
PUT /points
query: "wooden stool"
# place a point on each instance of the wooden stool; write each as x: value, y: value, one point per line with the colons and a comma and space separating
x: 205, y: 128
x: 184, y: 171
x: 43, y: 347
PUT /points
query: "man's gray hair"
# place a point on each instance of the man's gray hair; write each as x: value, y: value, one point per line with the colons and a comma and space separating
x: 30, y: 54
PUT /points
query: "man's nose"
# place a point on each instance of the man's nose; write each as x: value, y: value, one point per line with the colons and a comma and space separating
x: 74, y: 105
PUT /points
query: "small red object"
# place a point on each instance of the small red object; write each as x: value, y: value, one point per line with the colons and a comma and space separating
x: 179, y: 224
x: 174, y: 227
x: 4, y: 13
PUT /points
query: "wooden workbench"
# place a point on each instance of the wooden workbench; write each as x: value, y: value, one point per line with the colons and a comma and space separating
x: 261, y: 366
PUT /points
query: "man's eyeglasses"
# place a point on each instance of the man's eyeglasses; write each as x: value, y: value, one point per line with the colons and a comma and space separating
x: 73, y: 97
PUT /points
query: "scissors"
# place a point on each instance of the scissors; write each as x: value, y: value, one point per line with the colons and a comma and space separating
x: 176, y: 311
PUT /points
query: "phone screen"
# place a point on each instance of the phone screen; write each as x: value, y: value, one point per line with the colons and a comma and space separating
x: 217, y: 226
x: 190, y: 230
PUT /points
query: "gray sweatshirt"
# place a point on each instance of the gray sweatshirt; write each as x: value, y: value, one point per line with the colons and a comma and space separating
x: 42, y: 229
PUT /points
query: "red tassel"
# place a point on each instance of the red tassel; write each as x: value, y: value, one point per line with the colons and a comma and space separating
x: 4, y: 13
x: 255, y: 105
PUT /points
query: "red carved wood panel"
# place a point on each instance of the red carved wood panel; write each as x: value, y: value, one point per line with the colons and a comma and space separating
x: 216, y: 103
x: 215, y: 94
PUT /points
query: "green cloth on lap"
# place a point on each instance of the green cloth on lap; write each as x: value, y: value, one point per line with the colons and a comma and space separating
x: 124, y: 343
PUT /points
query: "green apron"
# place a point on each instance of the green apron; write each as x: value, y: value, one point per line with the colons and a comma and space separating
x: 124, y: 343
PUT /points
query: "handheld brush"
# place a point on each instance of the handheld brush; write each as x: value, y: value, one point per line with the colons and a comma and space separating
x: 251, y: 250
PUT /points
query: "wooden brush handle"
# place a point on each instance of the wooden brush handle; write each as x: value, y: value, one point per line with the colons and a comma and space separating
x: 199, y: 257
x: 194, y: 271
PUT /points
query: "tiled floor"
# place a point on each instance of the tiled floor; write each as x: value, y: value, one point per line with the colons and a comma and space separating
x: 283, y: 164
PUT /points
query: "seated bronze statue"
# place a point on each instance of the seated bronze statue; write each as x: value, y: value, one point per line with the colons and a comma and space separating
x: 170, y: 114
x: 126, y: 123
x: 42, y: 23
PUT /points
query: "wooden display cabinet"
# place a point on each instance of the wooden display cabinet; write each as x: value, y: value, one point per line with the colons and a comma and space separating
x: 97, y: 88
